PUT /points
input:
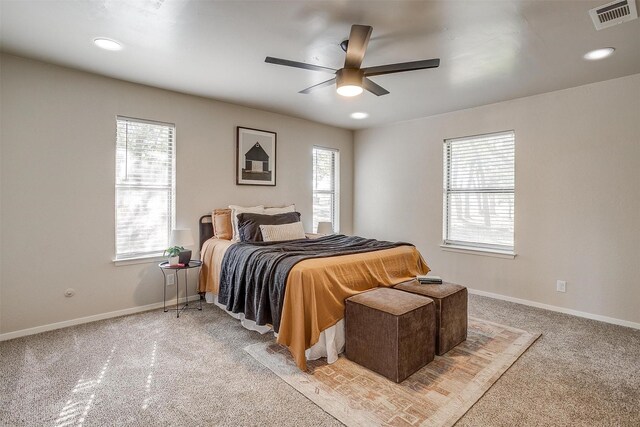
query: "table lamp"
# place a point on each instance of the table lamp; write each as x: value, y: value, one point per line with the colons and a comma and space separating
x: 182, y: 237
x: 325, y: 227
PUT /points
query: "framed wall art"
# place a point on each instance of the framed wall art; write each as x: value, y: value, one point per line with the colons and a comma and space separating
x: 255, y: 157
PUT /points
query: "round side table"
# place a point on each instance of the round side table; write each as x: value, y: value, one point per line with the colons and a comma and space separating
x: 164, y: 267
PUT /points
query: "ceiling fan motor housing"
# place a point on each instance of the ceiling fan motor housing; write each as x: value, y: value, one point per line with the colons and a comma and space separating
x: 349, y: 77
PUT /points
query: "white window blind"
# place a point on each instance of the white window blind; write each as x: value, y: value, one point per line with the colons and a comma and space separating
x: 145, y: 187
x: 479, y: 181
x: 326, y: 179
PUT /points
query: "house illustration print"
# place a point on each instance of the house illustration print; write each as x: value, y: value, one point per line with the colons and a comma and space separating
x: 256, y: 164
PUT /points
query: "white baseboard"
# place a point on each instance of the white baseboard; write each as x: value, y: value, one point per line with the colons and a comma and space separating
x: 556, y: 308
x: 140, y: 309
x: 81, y: 320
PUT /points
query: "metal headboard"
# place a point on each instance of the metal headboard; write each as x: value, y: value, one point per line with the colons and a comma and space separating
x: 206, y: 228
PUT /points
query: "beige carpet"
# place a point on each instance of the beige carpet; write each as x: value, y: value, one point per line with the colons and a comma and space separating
x: 437, y: 395
x: 151, y: 369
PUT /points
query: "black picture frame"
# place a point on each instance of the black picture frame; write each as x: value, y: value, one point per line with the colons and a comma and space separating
x: 256, y: 151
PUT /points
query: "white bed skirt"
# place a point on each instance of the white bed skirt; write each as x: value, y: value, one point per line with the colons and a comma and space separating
x: 330, y: 344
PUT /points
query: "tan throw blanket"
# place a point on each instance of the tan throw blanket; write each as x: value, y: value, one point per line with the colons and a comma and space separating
x: 211, y: 256
x: 316, y: 288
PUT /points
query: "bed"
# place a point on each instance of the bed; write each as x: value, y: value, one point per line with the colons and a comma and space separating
x: 308, y: 318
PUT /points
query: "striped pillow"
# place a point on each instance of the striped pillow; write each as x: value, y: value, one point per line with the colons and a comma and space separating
x: 278, y: 233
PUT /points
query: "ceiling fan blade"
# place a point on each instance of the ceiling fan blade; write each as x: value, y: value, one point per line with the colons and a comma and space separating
x: 358, y: 41
x: 373, y: 87
x: 399, y: 68
x: 318, y: 86
x: 296, y: 64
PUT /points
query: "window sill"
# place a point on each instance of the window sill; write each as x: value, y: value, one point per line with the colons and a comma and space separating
x: 148, y: 259
x: 479, y: 251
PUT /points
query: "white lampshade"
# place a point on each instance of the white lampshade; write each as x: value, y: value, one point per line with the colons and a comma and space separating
x: 325, y: 227
x: 181, y: 237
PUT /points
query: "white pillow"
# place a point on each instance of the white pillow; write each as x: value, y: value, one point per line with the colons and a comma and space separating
x: 276, y: 211
x: 235, y: 210
x: 278, y: 233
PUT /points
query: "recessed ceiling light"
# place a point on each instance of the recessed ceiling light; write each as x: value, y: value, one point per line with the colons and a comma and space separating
x: 594, y: 55
x: 359, y: 115
x: 107, y: 44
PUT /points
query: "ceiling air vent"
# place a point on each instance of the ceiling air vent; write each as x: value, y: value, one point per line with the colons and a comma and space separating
x: 613, y: 13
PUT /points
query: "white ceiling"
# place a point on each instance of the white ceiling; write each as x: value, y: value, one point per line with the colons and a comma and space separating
x: 490, y: 50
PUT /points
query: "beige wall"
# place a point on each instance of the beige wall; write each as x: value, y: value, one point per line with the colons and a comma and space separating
x: 577, y: 189
x: 577, y: 195
x: 57, y: 175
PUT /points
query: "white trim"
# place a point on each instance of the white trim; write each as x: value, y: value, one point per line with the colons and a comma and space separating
x: 555, y: 308
x: 498, y: 134
x: 478, y: 251
x: 172, y: 144
x: 147, y: 259
x: 89, y: 319
x: 146, y: 121
x: 322, y: 147
x: 447, y: 191
x: 143, y: 308
x: 335, y: 192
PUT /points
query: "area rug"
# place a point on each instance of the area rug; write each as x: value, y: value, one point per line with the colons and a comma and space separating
x: 437, y: 395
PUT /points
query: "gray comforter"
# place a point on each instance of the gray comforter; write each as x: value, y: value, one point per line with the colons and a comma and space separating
x: 253, y: 278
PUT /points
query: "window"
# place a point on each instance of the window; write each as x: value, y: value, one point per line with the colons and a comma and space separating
x: 479, y: 182
x: 145, y: 187
x: 326, y: 187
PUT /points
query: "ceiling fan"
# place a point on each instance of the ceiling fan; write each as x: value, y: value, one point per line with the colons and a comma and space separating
x: 351, y: 79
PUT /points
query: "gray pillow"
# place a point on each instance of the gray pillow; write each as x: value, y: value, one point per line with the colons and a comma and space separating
x: 249, y: 224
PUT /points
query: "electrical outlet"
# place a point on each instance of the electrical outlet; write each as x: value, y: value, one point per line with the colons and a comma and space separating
x: 561, y: 286
x: 171, y: 280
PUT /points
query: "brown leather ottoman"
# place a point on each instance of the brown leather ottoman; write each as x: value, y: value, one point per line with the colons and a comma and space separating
x: 390, y: 332
x: 451, y: 311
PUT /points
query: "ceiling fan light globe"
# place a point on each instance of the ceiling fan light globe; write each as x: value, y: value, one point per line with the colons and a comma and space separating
x: 349, y: 82
x: 349, y: 90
